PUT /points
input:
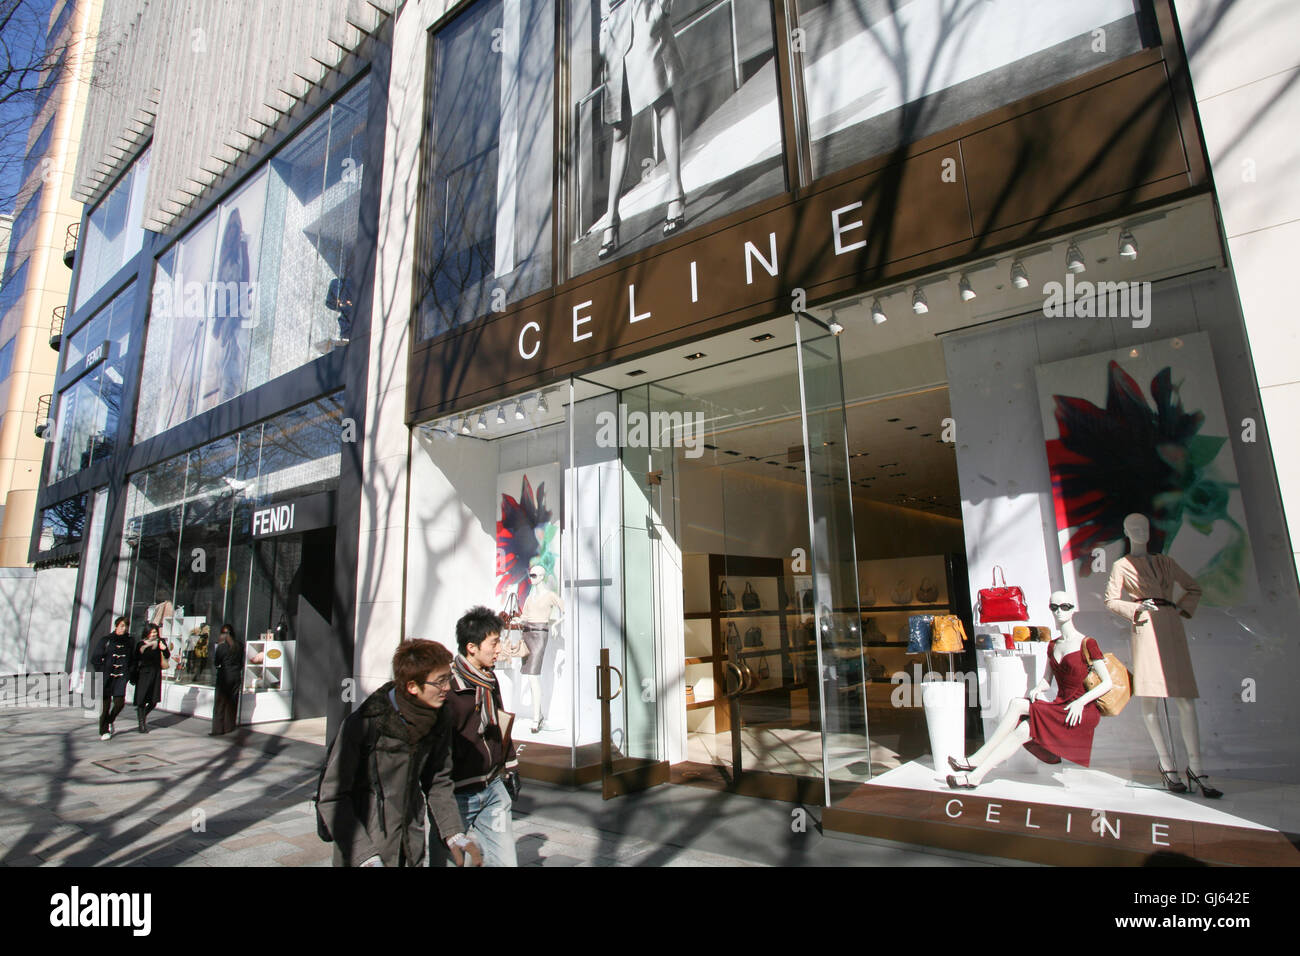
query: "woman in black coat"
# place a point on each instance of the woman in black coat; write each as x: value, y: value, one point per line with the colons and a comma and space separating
x: 152, y: 654
x: 228, y: 658
x: 113, y: 657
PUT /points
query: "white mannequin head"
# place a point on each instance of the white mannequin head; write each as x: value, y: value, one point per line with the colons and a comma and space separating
x: 1137, y: 529
x: 1060, y: 613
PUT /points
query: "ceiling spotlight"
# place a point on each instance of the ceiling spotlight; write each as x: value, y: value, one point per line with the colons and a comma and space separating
x: 919, y: 305
x: 464, y: 425
x: 501, y: 414
x: 482, y: 422
x: 519, y: 410
x: 1074, y: 259
x: 878, y: 313
x: 541, y: 403
x: 835, y: 327
x: 1128, y: 246
x: 964, y: 288
x: 1019, y: 275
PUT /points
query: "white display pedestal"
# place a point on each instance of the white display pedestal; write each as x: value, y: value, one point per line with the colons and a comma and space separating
x: 945, y: 718
x: 1004, y: 676
x: 268, y: 687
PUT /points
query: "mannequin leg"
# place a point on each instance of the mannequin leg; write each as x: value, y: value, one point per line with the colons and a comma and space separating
x: 1191, y: 731
x: 1151, y: 717
x: 535, y: 688
x: 1017, y: 709
x: 1007, y: 746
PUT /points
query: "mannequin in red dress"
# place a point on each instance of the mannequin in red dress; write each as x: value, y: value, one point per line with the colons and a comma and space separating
x: 1049, y: 729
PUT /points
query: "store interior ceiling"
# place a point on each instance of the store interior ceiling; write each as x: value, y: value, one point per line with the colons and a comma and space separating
x: 893, y: 371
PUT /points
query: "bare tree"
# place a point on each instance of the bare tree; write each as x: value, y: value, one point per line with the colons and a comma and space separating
x: 33, y: 64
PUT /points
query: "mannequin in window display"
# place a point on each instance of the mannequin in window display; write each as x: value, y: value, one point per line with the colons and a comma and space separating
x: 535, y: 621
x: 1141, y: 591
x: 1051, y: 730
x: 642, y: 65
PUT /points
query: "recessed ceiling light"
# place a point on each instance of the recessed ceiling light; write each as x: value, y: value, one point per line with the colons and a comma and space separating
x: 762, y: 338
x: 909, y: 428
x: 711, y: 447
x: 635, y: 372
x: 736, y: 453
x: 893, y: 419
x: 694, y: 355
x: 927, y: 434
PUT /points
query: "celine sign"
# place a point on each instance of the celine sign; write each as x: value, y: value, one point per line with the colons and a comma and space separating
x: 301, y: 514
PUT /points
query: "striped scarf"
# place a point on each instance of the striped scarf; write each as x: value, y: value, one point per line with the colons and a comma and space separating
x: 484, y: 684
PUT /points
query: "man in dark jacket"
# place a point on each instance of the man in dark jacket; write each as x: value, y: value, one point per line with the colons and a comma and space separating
x: 113, y: 657
x: 391, y: 761
x: 482, y: 751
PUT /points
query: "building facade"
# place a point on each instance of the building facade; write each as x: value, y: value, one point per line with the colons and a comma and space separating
x: 761, y: 334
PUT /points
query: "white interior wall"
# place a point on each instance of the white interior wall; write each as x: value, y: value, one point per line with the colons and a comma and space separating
x: 1009, y: 520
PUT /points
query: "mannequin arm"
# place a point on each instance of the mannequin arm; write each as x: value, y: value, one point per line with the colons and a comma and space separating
x: 1192, y: 595
x: 1074, y: 711
x: 1039, y: 689
x: 1113, y: 597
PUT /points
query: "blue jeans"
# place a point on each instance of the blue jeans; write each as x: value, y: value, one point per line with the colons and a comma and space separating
x: 487, y: 818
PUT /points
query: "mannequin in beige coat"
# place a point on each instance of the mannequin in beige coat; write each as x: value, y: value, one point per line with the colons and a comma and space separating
x: 1141, y: 590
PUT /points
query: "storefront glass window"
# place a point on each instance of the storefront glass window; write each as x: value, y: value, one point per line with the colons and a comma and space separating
x: 926, y: 66
x: 266, y: 282
x: 487, y: 203
x: 90, y: 408
x: 195, y: 561
x: 63, y: 524
x: 113, y: 232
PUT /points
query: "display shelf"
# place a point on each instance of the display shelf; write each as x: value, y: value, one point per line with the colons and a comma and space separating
x: 700, y: 660
x: 699, y: 704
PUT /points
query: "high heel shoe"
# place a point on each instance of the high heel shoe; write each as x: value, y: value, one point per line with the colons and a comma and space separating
x: 1172, y: 783
x: 673, y: 224
x: 963, y: 784
x: 1207, y: 791
x: 608, y: 241
x: 959, y: 766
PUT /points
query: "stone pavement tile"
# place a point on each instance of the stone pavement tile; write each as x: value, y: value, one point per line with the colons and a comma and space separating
x: 322, y: 857
x: 260, y: 838
x: 25, y: 859
x: 305, y: 840
x: 261, y: 855
x: 560, y: 860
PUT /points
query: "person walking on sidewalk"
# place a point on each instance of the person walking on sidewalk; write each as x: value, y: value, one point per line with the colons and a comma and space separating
x: 390, y: 766
x: 483, y: 765
x: 228, y: 659
x: 151, y: 654
x: 113, y: 657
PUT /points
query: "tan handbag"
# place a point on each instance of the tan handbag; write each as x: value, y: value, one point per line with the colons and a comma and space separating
x: 1121, y: 681
x: 949, y: 634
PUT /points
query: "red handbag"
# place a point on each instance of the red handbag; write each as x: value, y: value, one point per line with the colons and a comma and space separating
x: 997, y: 604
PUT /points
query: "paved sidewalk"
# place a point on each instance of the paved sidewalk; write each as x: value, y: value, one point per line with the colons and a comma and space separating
x: 176, y: 797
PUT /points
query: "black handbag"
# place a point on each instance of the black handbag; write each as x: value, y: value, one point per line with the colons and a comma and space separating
x: 726, y: 597
x: 733, y: 639
x: 514, y: 783
x: 749, y: 600
x: 754, y: 637
x: 807, y: 599
x: 763, y: 671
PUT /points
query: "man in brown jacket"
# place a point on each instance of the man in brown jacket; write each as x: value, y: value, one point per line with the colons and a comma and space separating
x: 390, y: 761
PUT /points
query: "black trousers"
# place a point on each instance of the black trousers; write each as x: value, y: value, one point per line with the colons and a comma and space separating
x: 224, y: 710
x: 107, y: 715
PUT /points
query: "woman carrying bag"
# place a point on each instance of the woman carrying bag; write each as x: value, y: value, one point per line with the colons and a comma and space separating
x: 152, y: 655
x: 229, y: 661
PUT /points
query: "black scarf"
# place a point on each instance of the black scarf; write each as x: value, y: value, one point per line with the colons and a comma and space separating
x: 419, y: 716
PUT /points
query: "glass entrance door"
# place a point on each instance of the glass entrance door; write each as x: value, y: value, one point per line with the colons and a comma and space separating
x: 841, y: 671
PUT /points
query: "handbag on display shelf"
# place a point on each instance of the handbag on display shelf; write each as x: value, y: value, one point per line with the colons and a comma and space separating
x: 901, y: 594
x: 869, y: 597
x: 749, y: 599
x: 1001, y: 603
x: 754, y: 637
x: 763, y: 670
x: 875, y: 669
x: 927, y: 592
x: 1121, y: 681
x: 872, y: 633
x: 1031, y: 632
x: 732, y: 640
x: 920, y: 633
x: 949, y: 634
x: 726, y: 597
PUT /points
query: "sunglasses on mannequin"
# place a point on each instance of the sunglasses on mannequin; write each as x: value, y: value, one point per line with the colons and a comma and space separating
x: 1060, y: 607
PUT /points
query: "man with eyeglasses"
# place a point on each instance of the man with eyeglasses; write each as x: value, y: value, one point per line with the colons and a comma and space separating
x: 483, y: 767
x: 390, y: 766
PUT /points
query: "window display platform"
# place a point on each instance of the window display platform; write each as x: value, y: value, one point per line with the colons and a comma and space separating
x: 1075, y: 816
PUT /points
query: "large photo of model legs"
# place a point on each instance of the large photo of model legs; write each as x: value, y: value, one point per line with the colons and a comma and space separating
x: 675, y: 119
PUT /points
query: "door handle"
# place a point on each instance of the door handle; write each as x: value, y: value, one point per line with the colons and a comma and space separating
x: 620, y: 681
